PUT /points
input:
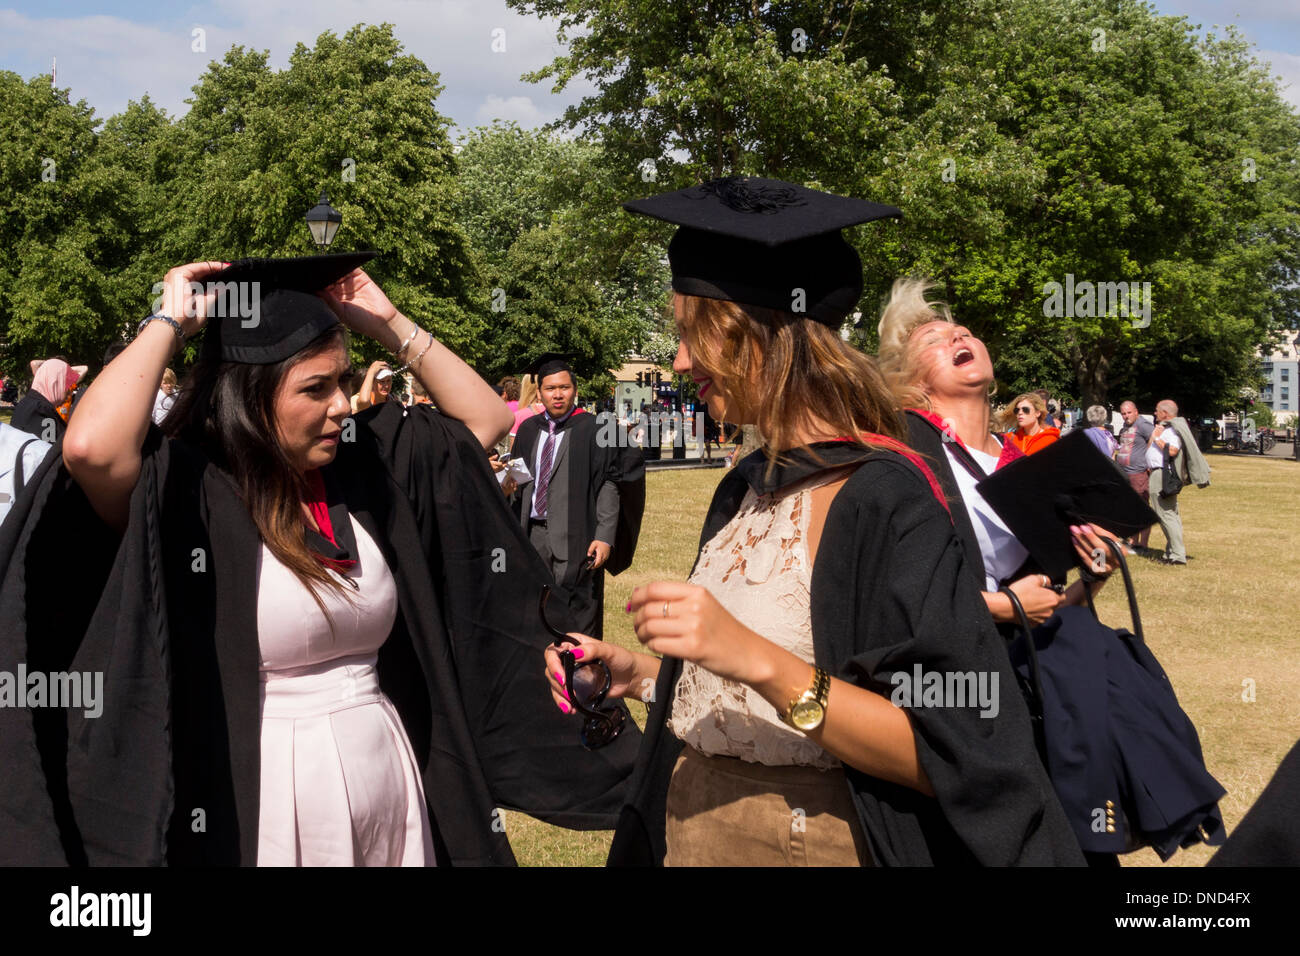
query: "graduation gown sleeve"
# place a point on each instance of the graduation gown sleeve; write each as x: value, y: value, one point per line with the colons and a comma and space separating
x: 490, y: 582
x: 80, y: 787
x: 895, y: 597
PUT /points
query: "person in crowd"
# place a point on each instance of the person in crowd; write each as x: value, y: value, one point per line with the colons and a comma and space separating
x: 712, y: 432
x: 376, y: 387
x: 21, y: 453
x: 418, y: 394
x: 942, y: 375
x: 828, y: 572
x: 530, y: 404
x: 37, y: 412
x: 278, y: 615
x: 572, y: 508
x: 1049, y: 417
x: 1165, y: 441
x: 166, y: 397
x: 1098, y: 430
x: 1029, y: 415
x: 1131, y: 454
x: 510, y: 392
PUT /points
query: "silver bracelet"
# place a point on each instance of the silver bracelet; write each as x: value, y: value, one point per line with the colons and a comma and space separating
x: 416, y: 360
x: 180, y: 333
x: 415, y: 330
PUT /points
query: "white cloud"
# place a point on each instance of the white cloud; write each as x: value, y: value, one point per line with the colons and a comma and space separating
x: 109, y: 60
x: 520, y: 109
x: 1286, y: 65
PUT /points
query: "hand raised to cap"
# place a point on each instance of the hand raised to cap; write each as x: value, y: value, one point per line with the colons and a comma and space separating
x: 361, y: 305
x: 185, y: 297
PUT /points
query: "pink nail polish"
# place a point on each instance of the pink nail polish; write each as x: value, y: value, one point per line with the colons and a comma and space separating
x: 559, y: 677
x: 629, y: 607
x: 564, y: 707
x: 579, y: 653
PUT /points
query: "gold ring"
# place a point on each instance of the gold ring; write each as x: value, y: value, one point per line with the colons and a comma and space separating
x: 1047, y: 582
x: 665, y: 608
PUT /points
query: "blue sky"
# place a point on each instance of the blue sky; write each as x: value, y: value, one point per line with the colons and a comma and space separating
x: 109, y: 53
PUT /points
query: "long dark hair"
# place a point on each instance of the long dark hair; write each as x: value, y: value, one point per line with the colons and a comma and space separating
x: 227, y: 409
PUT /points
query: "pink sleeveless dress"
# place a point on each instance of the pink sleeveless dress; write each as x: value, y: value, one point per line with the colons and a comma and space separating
x: 340, y: 785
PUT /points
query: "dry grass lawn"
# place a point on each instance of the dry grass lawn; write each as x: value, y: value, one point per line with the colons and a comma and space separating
x: 1222, y: 626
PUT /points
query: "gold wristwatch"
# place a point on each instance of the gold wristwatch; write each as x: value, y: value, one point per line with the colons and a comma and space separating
x: 807, y: 711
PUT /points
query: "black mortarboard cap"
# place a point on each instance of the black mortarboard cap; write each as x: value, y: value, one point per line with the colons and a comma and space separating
x: 1068, y: 482
x: 268, y: 308
x: 766, y: 243
x: 548, y: 363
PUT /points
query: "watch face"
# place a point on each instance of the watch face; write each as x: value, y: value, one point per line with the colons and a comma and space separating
x: 807, y: 715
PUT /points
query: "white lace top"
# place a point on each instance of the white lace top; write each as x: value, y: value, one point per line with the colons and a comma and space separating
x: 757, y: 567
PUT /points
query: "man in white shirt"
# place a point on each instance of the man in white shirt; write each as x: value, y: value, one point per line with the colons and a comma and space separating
x: 1165, y: 438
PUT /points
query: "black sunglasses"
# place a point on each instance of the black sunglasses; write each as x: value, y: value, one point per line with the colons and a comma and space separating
x: 1024, y: 410
x: 586, y: 684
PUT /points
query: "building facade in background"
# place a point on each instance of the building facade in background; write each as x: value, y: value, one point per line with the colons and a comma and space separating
x: 1279, y: 389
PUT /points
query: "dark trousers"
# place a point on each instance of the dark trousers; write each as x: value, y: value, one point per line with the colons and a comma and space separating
x: 586, y: 596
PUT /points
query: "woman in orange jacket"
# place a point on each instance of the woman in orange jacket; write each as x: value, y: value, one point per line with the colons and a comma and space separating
x: 1029, y: 414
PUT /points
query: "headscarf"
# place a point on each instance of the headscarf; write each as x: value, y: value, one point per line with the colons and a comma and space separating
x: 53, y: 379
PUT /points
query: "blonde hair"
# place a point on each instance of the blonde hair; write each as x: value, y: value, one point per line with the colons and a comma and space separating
x: 528, y: 393
x: 806, y: 374
x: 1007, y: 417
x: 906, y: 311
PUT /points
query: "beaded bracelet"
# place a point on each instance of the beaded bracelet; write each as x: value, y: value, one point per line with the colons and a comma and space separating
x: 180, y: 333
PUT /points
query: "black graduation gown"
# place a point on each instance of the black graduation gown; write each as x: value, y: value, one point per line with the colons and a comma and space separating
x: 890, y: 589
x: 170, y: 771
x: 1269, y: 833
x: 589, y: 467
x: 33, y: 411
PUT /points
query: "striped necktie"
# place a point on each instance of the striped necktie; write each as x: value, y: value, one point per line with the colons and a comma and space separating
x: 544, y: 471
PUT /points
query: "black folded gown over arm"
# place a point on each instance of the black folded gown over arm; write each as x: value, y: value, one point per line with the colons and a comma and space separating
x: 169, y: 772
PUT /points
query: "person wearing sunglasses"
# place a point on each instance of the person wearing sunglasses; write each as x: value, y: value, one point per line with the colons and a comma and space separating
x: 828, y: 576
x: 1028, y: 413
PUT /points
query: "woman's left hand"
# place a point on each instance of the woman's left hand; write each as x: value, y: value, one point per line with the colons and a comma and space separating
x: 361, y: 305
x: 698, y: 629
x: 1093, y: 551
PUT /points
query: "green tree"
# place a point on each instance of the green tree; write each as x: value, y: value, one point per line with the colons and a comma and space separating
x: 1024, y: 141
x: 353, y: 116
x: 526, y: 204
x: 1124, y: 149
x: 67, y: 225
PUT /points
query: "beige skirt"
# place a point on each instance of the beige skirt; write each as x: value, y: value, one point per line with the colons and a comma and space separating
x: 727, y: 812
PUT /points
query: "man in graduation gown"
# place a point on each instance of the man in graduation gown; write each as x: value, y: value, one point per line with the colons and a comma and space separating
x: 582, y: 510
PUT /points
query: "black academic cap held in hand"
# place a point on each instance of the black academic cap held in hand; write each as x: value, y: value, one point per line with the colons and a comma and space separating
x: 1068, y: 483
x: 267, y: 309
x: 767, y: 243
x: 548, y: 363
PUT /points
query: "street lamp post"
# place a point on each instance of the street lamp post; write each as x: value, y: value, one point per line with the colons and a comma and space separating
x: 323, y: 220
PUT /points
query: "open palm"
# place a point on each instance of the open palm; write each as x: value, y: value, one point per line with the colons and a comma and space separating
x: 360, y: 304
